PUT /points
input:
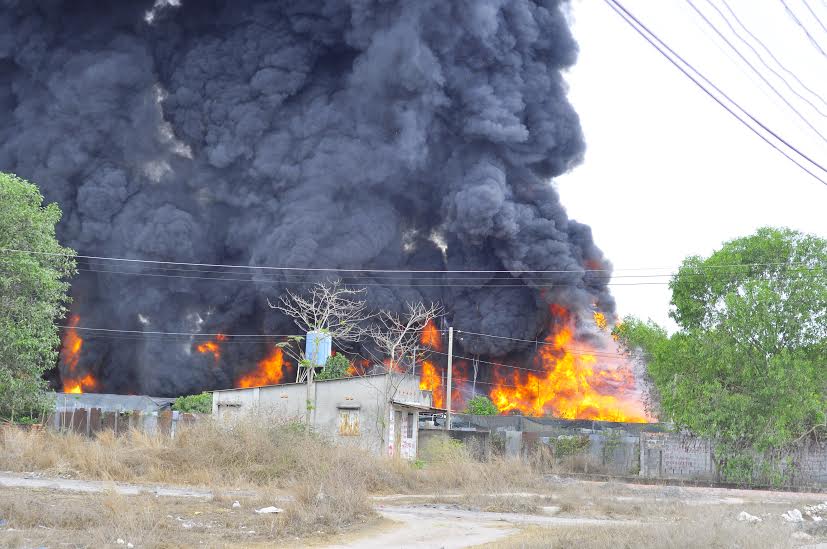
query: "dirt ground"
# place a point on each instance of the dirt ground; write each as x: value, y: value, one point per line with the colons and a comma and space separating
x: 55, y: 512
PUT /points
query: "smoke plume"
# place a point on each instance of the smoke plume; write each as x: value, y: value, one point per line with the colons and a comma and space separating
x: 382, y: 134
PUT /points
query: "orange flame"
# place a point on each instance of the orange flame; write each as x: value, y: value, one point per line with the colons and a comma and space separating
x: 72, y: 344
x: 358, y: 368
x: 83, y: 385
x: 70, y: 355
x: 570, y: 383
x: 600, y: 320
x: 212, y: 347
x: 431, y: 380
x: 269, y: 371
x: 618, y: 326
x: 431, y: 337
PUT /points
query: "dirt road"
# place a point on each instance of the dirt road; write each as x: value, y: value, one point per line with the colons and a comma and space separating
x: 565, y: 508
x: 448, y: 527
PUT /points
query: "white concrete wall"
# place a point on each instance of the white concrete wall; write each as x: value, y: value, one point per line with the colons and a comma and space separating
x: 285, y: 401
x: 332, y: 398
x: 351, y: 411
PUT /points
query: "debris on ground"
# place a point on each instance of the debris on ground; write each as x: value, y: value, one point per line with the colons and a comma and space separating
x: 236, y: 505
x: 815, y: 512
x: 266, y: 510
x: 743, y: 516
x: 793, y: 515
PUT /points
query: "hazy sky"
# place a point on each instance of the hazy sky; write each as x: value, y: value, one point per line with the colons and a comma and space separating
x: 669, y: 173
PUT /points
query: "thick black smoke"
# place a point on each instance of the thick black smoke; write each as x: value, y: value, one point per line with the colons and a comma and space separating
x: 417, y: 134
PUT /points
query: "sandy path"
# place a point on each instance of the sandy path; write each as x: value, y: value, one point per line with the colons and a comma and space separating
x: 448, y: 527
x: 24, y: 480
x: 410, y: 525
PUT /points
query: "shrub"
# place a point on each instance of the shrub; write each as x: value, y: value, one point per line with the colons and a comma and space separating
x: 481, y: 405
x: 336, y: 367
x: 200, y: 404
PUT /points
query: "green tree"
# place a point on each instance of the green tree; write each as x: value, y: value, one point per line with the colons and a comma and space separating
x: 335, y: 367
x: 748, y: 365
x: 481, y: 405
x: 33, y: 294
x: 200, y: 404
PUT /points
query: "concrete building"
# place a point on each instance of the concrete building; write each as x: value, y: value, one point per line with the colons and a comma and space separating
x: 379, y: 413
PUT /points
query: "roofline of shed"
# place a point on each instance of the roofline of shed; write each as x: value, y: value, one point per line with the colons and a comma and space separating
x: 296, y: 383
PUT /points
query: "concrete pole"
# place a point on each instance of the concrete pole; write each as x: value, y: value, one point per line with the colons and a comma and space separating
x: 450, y: 363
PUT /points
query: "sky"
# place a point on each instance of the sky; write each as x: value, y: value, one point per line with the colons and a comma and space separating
x: 668, y: 173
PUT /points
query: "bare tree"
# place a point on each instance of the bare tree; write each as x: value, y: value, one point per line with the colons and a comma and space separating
x: 329, y: 307
x: 398, y: 337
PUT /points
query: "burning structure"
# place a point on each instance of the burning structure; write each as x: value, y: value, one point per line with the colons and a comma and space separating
x: 413, y: 135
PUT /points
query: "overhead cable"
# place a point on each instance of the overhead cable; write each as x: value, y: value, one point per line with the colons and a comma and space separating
x: 663, y: 48
x: 763, y: 46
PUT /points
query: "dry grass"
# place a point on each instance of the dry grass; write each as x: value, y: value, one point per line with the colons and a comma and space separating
x: 251, y: 455
x: 708, y: 531
x: 329, y: 487
x: 37, y: 519
x: 452, y: 468
x: 329, y: 484
x: 510, y: 504
x: 52, y: 519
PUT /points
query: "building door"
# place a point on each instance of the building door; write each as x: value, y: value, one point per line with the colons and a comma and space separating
x: 397, y: 433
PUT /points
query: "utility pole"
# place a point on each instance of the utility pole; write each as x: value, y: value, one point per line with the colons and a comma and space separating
x: 448, y: 393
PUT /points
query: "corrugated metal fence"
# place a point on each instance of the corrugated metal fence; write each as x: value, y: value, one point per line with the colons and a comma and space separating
x: 89, y: 421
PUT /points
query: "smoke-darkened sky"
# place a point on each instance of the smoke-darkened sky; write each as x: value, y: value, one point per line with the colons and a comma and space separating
x: 387, y: 134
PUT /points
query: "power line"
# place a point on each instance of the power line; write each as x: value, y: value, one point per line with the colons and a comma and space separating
x: 633, y: 22
x: 761, y: 76
x: 151, y: 332
x: 367, y: 284
x: 760, y: 57
x: 309, y: 269
x: 807, y: 5
x: 487, y: 283
x: 764, y: 46
x: 524, y: 284
x: 95, y: 267
x: 572, y: 350
x: 497, y: 384
x: 369, y: 270
x: 798, y: 22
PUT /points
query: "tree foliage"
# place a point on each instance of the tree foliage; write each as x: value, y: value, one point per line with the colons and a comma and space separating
x: 336, y: 367
x: 33, y: 293
x: 748, y: 366
x: 481, y: 405
x: 199, y: 404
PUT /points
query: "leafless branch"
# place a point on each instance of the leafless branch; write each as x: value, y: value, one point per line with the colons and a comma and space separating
x: 398, y: 335
x: 329, y: 307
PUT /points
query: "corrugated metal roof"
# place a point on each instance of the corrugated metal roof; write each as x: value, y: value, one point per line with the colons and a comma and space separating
x: 106, y: 402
